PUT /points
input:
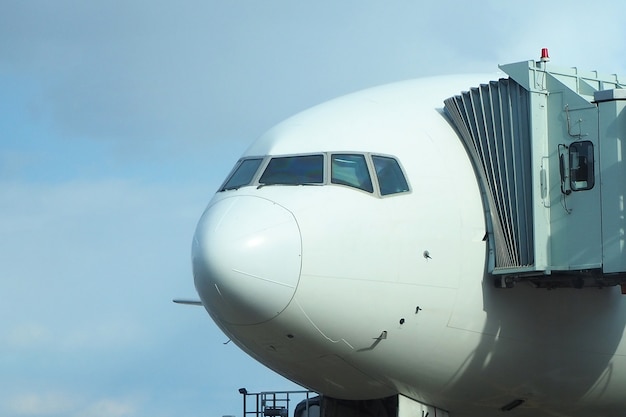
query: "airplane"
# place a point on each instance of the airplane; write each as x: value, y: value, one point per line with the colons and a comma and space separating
x: 433, y: 247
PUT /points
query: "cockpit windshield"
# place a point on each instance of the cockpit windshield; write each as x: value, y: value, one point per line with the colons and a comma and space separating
x: 390, y: 177
x: 375, y: 174
x: 242, y: 174
x: 351, y: 170
x: 294, y: 170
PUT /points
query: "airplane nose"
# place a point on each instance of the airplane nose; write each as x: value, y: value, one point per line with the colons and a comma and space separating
x: 246, y: 259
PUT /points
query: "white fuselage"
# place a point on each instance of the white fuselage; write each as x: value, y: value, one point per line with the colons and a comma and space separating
x: 359, y: 296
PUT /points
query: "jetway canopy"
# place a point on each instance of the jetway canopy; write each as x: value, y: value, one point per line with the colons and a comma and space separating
x: 547, y: 147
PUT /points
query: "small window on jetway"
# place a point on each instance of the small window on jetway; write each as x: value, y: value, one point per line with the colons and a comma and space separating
x: 581, y: 166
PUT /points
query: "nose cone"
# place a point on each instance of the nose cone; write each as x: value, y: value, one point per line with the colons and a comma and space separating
x: 246, y: 259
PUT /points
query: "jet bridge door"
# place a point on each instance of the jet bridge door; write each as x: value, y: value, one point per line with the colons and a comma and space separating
x: 573, y: 196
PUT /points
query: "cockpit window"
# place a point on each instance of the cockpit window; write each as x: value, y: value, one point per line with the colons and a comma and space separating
x: 347, y: 169
x: 390, y: 177
x: 351, y: 170
x: 242, y: 174
x: 294, y: 170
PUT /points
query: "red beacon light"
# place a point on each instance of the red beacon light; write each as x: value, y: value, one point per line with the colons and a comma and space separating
x: 545, y: 57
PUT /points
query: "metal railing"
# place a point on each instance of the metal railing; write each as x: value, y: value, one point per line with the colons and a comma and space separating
x: 272, y: 403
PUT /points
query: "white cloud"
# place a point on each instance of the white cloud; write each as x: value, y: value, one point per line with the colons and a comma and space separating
x: 114, y: 335
x: 27, y: 335
x: 42, y: 404
x: 58, y: 403
x: 109, y: 407
x: 108, y: 334
x: 84, y: 262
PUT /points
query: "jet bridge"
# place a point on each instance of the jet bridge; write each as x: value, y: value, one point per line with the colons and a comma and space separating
x: 548, y: 148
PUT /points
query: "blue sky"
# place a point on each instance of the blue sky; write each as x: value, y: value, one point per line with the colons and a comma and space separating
x: 119, y: 119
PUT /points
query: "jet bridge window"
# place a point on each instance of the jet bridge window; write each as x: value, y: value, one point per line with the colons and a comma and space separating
x: 391, y: 180
x: 351, y: 170
x: 576, y: 167
x: 294, y: 170
x: 581, y: 166
x: 242, y: 174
